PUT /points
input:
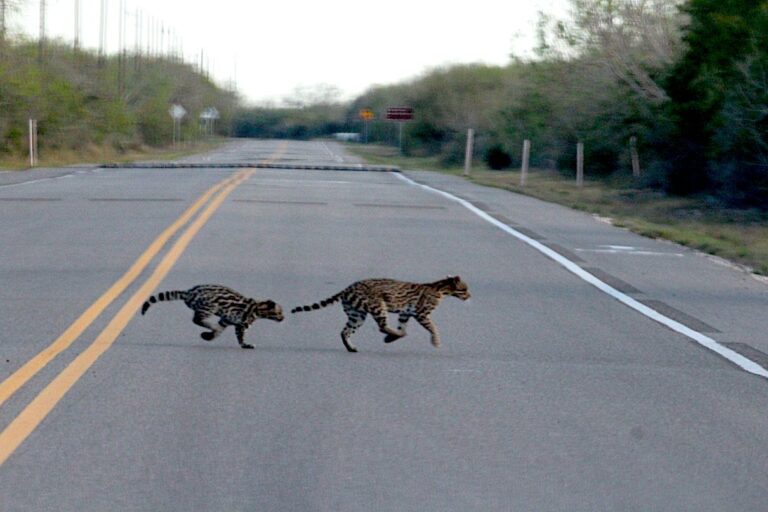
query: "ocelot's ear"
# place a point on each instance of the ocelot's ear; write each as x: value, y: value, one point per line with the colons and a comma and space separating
x: 456, y: 279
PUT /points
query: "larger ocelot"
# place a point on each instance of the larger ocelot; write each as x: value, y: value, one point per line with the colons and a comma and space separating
x: 378, y: 297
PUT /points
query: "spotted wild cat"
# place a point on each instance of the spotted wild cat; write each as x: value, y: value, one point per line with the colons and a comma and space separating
x: 231, y: 307
x: 378, y: 297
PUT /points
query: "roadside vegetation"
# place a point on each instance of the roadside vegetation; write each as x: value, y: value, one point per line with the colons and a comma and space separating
x: 94, y: 108
x: 735, y: 234
x: 687, y: 80
x: 684, y: 82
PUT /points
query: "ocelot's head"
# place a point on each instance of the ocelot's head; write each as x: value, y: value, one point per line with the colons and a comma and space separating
x: 270, y: 310
x: 454, y: 286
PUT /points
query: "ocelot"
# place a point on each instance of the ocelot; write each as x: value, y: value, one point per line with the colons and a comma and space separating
x: 378, y: 297
x: 231, y: 307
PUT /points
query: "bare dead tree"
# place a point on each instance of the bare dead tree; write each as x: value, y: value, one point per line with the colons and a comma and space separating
x: 632, y: 38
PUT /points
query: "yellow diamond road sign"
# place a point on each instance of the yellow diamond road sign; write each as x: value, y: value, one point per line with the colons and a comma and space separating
x: 366, y: 114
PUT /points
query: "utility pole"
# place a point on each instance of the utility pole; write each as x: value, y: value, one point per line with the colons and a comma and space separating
x: 162, y: 39
x: 3, y: 8
x: 103, y: 33
x: 121, y: 50
x: 41, y: 41
x: 78, y: 29
x: 137, y: 41
x: 149, y: 36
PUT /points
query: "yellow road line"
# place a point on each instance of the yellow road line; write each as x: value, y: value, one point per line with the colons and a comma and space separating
x: 32, y: 415
x: 21, y: 376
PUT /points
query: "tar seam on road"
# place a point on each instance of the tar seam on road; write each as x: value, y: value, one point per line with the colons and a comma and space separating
x: 700, y: 338
x: 33, y: 414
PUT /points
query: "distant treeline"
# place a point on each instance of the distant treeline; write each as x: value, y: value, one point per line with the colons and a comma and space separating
x: 298, y: 122
x: 687, y: 79
x: 81, y: 100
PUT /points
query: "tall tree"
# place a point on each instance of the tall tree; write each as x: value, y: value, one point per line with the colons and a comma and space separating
x: 633, y: 39
x: 719, y: 104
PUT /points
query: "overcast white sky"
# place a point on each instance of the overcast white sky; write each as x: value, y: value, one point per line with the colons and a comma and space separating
x: 272, y: 47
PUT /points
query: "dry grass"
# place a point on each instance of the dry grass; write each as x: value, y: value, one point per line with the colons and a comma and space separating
x: 740, y: 236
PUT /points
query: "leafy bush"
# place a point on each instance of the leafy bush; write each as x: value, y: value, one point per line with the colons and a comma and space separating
x: 498, y: 159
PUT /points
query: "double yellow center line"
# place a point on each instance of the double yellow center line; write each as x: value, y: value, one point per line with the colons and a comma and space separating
x: 32, y: 415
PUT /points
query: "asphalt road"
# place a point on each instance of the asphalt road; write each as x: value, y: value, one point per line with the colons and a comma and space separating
x: 547, y: 394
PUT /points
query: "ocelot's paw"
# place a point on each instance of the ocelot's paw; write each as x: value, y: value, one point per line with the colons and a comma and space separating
x: 389, y: 338
x: 245, y: 345
x: 207, y: 335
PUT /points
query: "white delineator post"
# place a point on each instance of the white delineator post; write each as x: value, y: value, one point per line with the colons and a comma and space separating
x: 468, y: 152
x: 32, y: 142
x: 635, y: 156
x: 526, y: 159
x: 580, y: 164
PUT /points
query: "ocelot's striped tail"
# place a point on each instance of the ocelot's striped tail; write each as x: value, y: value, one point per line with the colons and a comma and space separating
x: 318, y: 305
x: 172, y: 295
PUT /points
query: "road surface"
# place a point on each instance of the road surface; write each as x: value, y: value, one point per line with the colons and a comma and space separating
x: 547, y: 394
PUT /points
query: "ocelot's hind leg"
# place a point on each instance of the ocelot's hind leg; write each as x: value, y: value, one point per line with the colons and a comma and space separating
x: 402, y: 320
x: 200, y: 319
x: 380, y: 315
x: 355, y: 319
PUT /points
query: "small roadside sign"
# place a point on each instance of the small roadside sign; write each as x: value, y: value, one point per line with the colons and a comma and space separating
x: 367, y: 114
x: 177, y: 112
x: 400, y: 113
x: 210, y: 113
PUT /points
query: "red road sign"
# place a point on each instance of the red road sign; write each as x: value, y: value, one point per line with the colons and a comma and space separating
x: 400, y: 113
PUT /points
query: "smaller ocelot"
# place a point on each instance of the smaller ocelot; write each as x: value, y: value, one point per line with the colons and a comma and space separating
x: 231, y: 307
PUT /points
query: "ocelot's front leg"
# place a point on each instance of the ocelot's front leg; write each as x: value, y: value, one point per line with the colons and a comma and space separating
x: 240, y: 332
x: 426, y: 322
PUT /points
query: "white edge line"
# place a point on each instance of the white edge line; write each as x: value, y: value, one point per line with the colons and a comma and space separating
x: 703, y: 340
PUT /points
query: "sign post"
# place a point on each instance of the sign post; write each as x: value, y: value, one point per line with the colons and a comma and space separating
x: 177, y: 113
x: 366, y: 115
x: 400, y: 114
x: 208, y: 118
